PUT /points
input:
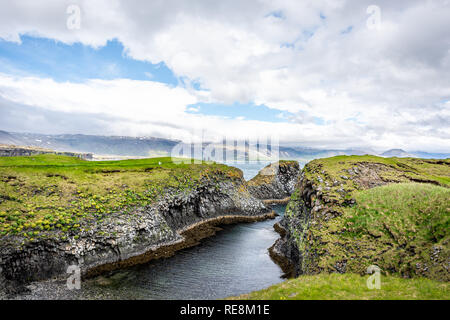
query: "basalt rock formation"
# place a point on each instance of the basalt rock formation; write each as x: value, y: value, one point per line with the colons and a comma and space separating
x: 276, y: 182
x: 178, y: 219
x: 318, y: 234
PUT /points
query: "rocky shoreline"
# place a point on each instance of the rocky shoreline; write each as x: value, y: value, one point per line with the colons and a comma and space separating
x: 177, y: 220
x: 190, y: 236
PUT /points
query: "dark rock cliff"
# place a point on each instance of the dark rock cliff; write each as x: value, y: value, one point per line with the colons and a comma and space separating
x: 146, y: 233
x: 275, y: 182
x: 290, y: 251
x: 314, y: 236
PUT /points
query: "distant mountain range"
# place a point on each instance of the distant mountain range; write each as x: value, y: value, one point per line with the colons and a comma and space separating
x: 99, y: 145
x: 124, y: 146
x: 399, y: 153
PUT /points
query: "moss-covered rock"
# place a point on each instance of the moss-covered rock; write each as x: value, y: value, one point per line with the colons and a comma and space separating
x: 275, y: 182
x: 351, y: 212
x: 56, y: 211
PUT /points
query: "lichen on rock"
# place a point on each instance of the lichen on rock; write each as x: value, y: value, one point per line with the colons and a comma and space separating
x: 350, y: 212
x: 150, y: 209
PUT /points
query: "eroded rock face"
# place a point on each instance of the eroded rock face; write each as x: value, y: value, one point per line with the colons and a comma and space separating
x: 123, y: 236
x: 310, y: 239
x: 276, y: 181
x: 289, y: 251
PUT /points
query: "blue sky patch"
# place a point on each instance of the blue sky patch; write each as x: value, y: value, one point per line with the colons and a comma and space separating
x: 61, y: 62
x: 277, y: 14
x: 347, y: 30
x: 48, y: 58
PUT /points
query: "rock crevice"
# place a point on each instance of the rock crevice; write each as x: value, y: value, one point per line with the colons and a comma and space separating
x: 179, y: 219
x: 314, y: 238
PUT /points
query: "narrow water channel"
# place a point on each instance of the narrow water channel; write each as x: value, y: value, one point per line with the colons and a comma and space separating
x: 233, y: 262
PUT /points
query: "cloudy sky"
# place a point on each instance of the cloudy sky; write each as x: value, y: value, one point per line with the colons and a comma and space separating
x: 319, y: 73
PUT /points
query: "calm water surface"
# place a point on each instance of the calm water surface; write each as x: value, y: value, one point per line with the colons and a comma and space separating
x: 233, y: 262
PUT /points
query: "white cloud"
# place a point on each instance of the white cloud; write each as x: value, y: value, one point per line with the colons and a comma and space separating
x: 381, y: 88
x: 127, y: 99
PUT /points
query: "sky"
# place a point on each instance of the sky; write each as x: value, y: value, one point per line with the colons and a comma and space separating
x: 314, y: 73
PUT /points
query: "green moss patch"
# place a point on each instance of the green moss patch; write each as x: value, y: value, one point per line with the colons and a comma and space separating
x: 44, y: 194
x: 350, y: 212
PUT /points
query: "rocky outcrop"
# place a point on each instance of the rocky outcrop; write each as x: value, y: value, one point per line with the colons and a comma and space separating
x: 289, y: 251
x: 16, y: 151
x: 178, y: 219
x: 314, y: 236
x: 276, y: 182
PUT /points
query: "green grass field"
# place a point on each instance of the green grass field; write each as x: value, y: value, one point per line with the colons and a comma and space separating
x: 402, y: 228
x: 408, y: 212
x: 352, y: 287
x: 39, y: 194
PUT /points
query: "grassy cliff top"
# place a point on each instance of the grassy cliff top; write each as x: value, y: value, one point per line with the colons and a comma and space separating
x: 352, y: 287
x: 48, y: 192
x: 389, y: 169
x: 343, y: 175
x: 392, y: 212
